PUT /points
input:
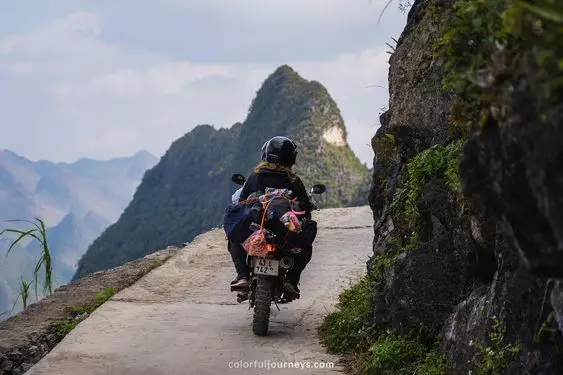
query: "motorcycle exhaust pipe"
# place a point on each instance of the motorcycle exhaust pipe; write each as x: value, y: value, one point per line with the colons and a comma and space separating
x: 287, y: 262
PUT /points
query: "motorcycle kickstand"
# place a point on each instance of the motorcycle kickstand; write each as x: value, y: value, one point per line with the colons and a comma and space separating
x: 276, y: 303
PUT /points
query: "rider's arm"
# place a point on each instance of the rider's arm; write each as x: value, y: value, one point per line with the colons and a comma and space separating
x: 248, y: 187
x: 301, y: 194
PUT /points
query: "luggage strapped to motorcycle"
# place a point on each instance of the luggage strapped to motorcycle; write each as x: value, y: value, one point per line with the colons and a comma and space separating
x: 256, y: 244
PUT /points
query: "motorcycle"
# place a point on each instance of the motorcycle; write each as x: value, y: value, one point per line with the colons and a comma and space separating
x: 268, y: 273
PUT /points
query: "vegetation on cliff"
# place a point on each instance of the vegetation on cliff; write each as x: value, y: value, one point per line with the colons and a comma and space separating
x: 485, y: 49
x: 466, y: 161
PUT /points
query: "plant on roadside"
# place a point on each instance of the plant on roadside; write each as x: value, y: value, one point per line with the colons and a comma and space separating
x: 23, y: 294
x: 393, y: 354
x: 39, y: 233
x: 77, y: 314
x: 343, y: 330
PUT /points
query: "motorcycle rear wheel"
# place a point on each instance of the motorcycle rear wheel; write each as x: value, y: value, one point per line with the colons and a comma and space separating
x: 261, y: 319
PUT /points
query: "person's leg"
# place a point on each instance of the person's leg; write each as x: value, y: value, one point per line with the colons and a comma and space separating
x: 239, y: 259
x: 301, y: 261
x: 305, y: 242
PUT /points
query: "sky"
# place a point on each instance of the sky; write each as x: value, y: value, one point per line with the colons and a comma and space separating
x: 106, y: 78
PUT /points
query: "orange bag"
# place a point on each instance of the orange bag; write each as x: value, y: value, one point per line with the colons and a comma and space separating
x: 255, y: 245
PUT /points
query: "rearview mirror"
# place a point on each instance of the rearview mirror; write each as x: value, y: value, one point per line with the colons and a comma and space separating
x: 238, y: 179
x: 318, y: 189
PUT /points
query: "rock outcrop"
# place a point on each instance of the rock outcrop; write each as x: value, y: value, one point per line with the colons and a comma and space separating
x: 466, y: 256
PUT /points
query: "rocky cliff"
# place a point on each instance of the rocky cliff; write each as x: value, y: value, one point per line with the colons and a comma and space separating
x: 467, y: 260
x: 186, y: 193
x: 466, y: 198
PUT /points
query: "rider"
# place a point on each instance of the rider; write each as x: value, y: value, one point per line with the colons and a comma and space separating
x: 275, y: 171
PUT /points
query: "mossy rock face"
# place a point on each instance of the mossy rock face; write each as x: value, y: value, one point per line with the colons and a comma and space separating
x: 478, y: 82
x: 187, y: 192
x: 422, y: 283
x: 512, y: 168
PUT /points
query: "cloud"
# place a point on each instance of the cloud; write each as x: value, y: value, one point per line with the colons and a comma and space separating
x: 251, y: 30
x: 79, y: 24
x: 82, y: 93
x: 167, y: 78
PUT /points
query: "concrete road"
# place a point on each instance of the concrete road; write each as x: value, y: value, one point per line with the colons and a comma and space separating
x: 181, y: 318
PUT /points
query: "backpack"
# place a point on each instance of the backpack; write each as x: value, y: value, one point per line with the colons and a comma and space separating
x: 237, y: 220
x: 273, y: 214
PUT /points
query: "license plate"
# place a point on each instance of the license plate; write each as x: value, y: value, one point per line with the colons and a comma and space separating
x: 263, y: 266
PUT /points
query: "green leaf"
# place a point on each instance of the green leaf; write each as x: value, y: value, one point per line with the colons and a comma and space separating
x: 21, y: 237
x: 546, y: 12
x: 391, y: 137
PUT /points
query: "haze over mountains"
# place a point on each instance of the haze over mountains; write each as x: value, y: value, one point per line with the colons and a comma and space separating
x: 76, y: 200
x: 51, y: 191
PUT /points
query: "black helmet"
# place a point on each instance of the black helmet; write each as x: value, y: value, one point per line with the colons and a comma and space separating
x: 280, y: 150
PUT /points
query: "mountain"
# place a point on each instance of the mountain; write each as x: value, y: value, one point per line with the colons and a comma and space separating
x: 70, y: 238
x: 186, y: 193
x: 51, y: 191
x: 77, y: 201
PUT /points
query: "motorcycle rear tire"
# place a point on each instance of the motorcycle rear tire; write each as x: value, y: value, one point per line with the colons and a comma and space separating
x: 262, y: 303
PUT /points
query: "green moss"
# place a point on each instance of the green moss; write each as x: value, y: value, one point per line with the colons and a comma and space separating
x: 63, y: 327
x: 385, y: 148
x: 494, y: 358
x: 437, y: 161
x: 478, y: 32
x: 385, y: 260
x: 103, y: 296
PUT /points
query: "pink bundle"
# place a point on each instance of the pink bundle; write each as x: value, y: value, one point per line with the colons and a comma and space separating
x: 291, y: 221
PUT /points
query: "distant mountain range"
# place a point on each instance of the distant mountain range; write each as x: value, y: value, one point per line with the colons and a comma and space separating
x: 186, y: 193
x: 52, y: 190
x: 76, y: 200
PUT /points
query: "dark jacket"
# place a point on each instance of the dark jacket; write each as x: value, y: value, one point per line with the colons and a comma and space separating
x: 278, y: 180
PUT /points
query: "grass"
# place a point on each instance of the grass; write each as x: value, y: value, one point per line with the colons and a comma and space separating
x: 23, y: 294
x: 37, y: 232
x: 394, y: 354
x: 547, y: 11
x: 63, y: 327
x: 344, y: 330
